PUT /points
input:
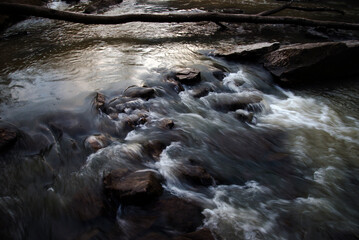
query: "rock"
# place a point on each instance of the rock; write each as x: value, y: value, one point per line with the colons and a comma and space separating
x: 201, y: 92
x: 96, y: 142
x: 202, y: 234
x: 243, y: 115
x: 178, y: 214
x: 176, y: 86
x: 218, y: 74
x: 248, y: 52
x: 8, y: 138
x: 87, y: 204
x: 196, y: 175
x: 154, y: 236
x: 100, y: 5
x: 100, y: 101
x: 137, y: 188
x: 139, y: 92
x: 154, y: 148
x: 311, y: 62
x: 134, y: 120
x: 230, y: 102
x: 188, y: 76
x: 167, y: 123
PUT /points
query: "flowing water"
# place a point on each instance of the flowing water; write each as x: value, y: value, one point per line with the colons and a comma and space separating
x: 292, y: 173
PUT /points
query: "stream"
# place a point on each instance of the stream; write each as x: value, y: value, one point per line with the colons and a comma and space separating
x: 291, y: 172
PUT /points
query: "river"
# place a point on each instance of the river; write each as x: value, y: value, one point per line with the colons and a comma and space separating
x: 292, y: 173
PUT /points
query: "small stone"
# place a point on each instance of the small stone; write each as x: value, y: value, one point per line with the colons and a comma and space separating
x: 188, y: 76
x: 244, y: 115
x: 139, y: 92
x: 167, y: 123
x: 96, y: 142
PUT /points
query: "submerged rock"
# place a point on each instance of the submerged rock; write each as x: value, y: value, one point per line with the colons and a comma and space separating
x: 167, y: 123
x: 248, y: 52
x: 8, y: 138
x: 188, y: 76
x: 154, y: 148
x: 230, y: 102
x: 299, y: 63
x: 136, y: 188
x: 139, y: 92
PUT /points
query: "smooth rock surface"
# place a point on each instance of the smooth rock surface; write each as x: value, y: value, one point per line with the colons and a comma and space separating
x: 188, y: 76
x: 248, y: 52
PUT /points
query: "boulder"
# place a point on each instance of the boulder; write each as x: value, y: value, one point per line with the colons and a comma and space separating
x: 313, y: 62
x: 230, y: 102
x: 8, y: 138
x: 188, y: 76
x: 96, y: 142
x: 139, y: 92
x: 248, y: 52
x: 202, y: 234
x: 136, y: 188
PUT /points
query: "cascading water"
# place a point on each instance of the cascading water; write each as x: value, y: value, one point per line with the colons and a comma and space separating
x: 288, y: 171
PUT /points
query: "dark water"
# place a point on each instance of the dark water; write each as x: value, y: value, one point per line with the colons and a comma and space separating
x: 292, y: 173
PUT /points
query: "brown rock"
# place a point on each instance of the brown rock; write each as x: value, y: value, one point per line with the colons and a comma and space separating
x: 248, y: 52
x: 136, y: 188
x: 202, y: 234
x: 300, y: 63
x: 139, y: 92
x: 167, y: 123
x: 8, y: 138
x: 176, y: 86
x: 100, y: 101
x: 197, y: 175
x: 154, y: 148
x: 188, y: 76
x: 96, y: 142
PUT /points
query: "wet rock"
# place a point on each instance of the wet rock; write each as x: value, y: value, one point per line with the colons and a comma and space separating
x: 176, y: 86
x: 100, y: 101
x: 154, y: 236
x: 154, y: 148
x: 96, y: 142
x: 243, y: 115
x: 248, y: 52
x: 230, y: 102
x: 188, y: 76
x: 139, y: 92
x: 133, y: 120
x: 218, y: 74
x: 8, y: 138
x: 311, y: 62
x: 167, y: 123
x: 87, y: 204
x: 136, y: 188
x: 201, y: 92
x: 196, y: 175
x: 202, y: 234
x: 178, y: 214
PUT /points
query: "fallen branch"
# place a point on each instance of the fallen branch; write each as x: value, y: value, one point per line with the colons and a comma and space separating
x: 29, y: 10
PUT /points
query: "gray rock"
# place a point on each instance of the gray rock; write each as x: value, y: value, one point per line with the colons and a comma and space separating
x: 230, y: 102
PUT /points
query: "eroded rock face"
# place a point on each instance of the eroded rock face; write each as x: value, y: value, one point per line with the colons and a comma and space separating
x: 312, y: 62
x: 248, y: 52
x: 135, y: 188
